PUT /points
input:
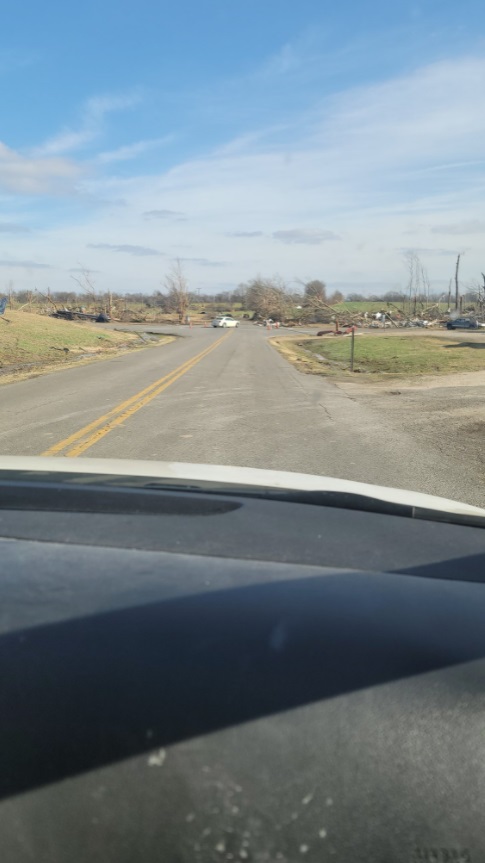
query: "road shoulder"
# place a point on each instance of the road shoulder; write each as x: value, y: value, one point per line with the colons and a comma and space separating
x: 15, y: 372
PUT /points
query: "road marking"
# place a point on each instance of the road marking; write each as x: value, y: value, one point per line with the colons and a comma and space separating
x: 94, y: 431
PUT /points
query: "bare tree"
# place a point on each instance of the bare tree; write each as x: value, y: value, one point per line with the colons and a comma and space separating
x: 87, y: 285
x: 425, y: 282
x: 475, y: 293
x: 418, y: 279
x: 48, y: 298
x: 411, y: 259
x: 177, y: 286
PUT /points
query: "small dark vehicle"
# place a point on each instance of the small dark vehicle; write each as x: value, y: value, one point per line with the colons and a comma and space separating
x: 462, y: 324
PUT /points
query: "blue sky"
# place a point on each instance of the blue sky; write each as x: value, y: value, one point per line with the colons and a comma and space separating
x: 305, y: 139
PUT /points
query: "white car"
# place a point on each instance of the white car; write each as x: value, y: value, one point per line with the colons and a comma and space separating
x: 225, y: 321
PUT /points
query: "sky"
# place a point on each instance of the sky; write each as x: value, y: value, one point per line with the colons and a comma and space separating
x: 243, y: 137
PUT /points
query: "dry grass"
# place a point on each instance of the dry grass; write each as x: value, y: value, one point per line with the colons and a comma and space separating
x: 31, y: 343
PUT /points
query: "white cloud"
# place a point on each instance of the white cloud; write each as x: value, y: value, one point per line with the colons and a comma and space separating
x: 66, y: 141
x: 138, y: 251
x: 15, y: 58
x: 431, y: 117
x: 298, y: 56
x: 132, y: 151
x: 367, y: 165
x: 164, y: 214
x: 306, y: 237
x: 473, y: 226
x: 204, y: 262
x: 451, y: 253
x: 283, y: 61
x: 81, y: 270
x: 92, y: 117
x: 242, y: 143
x: 28, y: 265
x: 36, y: 176
x: 245, y: 234
x: 13, y: 228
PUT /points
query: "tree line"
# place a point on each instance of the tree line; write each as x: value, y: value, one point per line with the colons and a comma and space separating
x: 264, y: 297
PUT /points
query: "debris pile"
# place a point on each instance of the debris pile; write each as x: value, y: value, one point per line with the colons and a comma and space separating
x: 70, y: 315
x: 344, y: 319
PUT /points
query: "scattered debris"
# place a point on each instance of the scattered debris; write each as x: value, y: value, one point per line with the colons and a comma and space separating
x: 157, y: 759
x: 344, y: 319
x: 70, y: 315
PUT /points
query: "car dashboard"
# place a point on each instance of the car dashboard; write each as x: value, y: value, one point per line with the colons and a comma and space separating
x: 199, y: 676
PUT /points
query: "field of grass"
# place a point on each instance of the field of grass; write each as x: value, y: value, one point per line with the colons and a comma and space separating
x: 370, y: 306
x: 361, y: 307
x: 29, y: 338
x: 385, y: 357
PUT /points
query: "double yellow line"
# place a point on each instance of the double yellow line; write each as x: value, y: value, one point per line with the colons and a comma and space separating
x: 81, y: 440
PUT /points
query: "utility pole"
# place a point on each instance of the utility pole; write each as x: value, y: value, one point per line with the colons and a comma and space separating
x: 457, y: 291
x: 449, y: 294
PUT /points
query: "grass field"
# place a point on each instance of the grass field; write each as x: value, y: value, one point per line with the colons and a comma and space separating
x: 37, y: 339
x: 361, y: 307
x: 370, y: 306
x: 386, y: 356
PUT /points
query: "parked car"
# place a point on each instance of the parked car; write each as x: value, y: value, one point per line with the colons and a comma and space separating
x: 225, y: 321
x: 462, y: 324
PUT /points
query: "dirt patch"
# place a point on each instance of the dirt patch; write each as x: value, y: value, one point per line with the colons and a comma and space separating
x: 293, y: 350
x: 444, y: 413
x: 447, y: 414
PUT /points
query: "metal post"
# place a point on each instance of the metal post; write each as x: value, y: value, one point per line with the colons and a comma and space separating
x: 352, y: 339
x: 457, y: 288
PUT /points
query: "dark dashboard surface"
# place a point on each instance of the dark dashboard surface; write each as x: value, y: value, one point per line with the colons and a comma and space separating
x: 241, y: 684
x: 258, y: 529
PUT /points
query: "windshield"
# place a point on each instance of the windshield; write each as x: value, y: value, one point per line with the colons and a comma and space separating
x: 246, y: 234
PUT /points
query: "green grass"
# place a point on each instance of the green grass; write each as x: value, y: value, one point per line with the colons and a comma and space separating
x: 388, y: 356
x: 31, y: 338
x: 361, y: 307
x: 370, y: 306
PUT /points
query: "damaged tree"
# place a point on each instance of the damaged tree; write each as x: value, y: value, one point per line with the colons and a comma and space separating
x: 177, y: 286
x: 87, y: 285
x: 268, y: 298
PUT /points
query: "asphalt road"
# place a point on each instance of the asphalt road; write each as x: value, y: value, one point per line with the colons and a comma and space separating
x: 220, y: 397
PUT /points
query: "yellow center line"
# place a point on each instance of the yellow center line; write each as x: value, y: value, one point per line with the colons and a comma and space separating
x: 97, y: 429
